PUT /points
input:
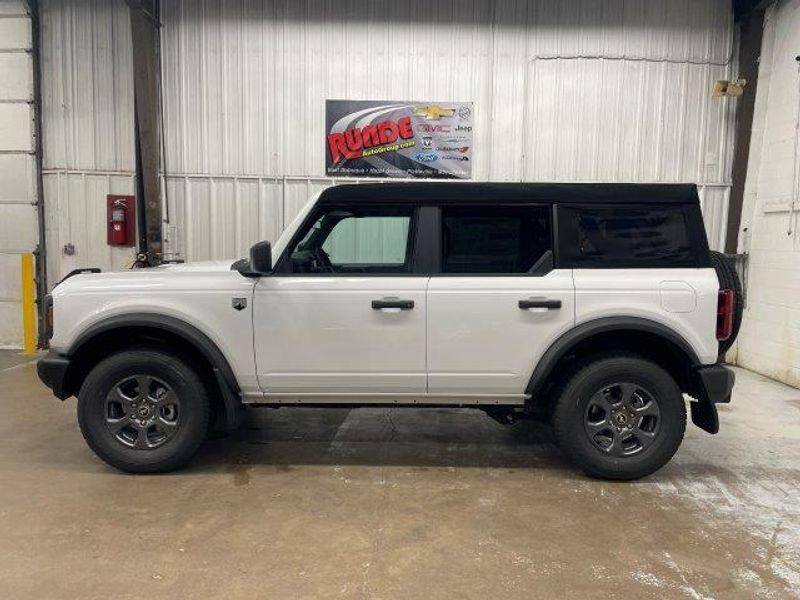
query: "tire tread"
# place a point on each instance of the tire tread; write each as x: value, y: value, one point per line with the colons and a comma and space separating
x: 570, y: 443
x: 144, y: 462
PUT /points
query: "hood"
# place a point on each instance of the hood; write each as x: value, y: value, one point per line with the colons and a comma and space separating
x: 169, y: 276
x: 205, y: 266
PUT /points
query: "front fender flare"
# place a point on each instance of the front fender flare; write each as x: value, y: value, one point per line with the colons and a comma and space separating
x: 222, y: 371
x: 174, y: 325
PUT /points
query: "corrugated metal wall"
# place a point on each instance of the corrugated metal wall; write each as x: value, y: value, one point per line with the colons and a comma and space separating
x: 769, y: 340
x: 563, y: 90
x: 87, y: 128
x: 18, y: 217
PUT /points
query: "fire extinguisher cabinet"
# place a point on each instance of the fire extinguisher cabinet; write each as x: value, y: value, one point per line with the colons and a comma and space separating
x: 121, y: 220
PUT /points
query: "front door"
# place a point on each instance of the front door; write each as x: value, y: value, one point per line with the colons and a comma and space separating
x: 343, y: 312
x: 497, y: 303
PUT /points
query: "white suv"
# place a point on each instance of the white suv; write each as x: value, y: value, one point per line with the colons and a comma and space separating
x: 595, y: 306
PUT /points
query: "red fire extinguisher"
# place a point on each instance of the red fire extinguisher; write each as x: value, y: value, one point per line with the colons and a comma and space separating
x: 119, y: 223
x: 121, y: 219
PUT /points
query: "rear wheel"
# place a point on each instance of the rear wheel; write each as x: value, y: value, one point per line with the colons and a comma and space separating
x: 619, y: 417
x: 143, y: 411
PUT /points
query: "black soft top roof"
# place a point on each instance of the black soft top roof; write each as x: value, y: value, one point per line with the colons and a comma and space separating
x: 605, y: 193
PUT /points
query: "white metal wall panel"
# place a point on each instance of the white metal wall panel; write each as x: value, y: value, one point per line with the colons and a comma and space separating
x: 247, y: 82
x: 76, y: 216
x: 15, y: 27
x: 88, y: 128
x: 769, y: 340
x: 18, y: 217
x: 563, y: 91
x: 87, y: 85
x: 17, y: 70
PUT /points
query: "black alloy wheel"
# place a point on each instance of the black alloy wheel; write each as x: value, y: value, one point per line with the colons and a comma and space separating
x: 144, y: 410
x: 622, y: 419
x: 618, y: 416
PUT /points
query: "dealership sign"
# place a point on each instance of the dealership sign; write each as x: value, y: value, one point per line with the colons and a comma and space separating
x: 398, y: 139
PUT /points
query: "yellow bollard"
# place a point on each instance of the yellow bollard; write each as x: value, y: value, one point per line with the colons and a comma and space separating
x: 28, y: 306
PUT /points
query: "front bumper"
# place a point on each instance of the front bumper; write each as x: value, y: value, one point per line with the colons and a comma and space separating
x: 714, y: 385
x: 52, y: 369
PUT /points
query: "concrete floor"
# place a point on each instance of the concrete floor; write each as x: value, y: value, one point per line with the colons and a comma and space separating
x: 400, y: 503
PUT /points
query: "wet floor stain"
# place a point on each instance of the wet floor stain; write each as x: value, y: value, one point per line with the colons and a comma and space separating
x: 240, y: 469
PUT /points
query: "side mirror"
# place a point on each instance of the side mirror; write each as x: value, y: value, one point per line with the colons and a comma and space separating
x: 261, y: 258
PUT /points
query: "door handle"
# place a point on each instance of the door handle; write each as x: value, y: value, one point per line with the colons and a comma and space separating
x: 392, y: 303
x: 545, y: 303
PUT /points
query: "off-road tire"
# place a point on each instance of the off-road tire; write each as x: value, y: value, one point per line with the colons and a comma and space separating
x: 572, y: 403
x: 192, y: 423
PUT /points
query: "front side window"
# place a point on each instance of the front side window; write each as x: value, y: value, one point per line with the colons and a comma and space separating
x: 625, y: 236
x: 355, y: 240
x: 495, y: 239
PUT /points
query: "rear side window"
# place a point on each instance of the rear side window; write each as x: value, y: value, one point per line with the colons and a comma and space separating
x: 494, y: 240
x: 625, y: 237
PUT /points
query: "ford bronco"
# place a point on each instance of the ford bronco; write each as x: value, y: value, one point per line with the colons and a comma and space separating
x: 594, y: 306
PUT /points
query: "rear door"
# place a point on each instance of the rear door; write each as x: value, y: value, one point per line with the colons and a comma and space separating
x: 344, y: 313
x: 496, y: 303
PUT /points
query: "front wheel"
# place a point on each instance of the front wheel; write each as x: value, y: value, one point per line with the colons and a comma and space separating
x: 143, y: 411
x: 619, y: 417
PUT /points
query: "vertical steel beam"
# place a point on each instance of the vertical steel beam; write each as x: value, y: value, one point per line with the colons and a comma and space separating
x: 751, y: 30
x: 144, y: 30
x: 41, y: 248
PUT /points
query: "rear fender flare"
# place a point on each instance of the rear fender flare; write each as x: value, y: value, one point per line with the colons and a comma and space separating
x: 559, y: 348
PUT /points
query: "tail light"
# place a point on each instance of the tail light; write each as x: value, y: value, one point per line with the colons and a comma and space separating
x: 725, y: 314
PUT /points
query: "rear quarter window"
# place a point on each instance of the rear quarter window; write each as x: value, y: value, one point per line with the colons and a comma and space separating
x: 625, y: 237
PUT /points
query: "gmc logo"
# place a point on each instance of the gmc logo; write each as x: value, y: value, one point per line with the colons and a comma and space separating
x: 425, y: 127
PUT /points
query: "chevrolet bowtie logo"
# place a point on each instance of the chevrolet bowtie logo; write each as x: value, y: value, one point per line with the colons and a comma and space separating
x: 434, y: 112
